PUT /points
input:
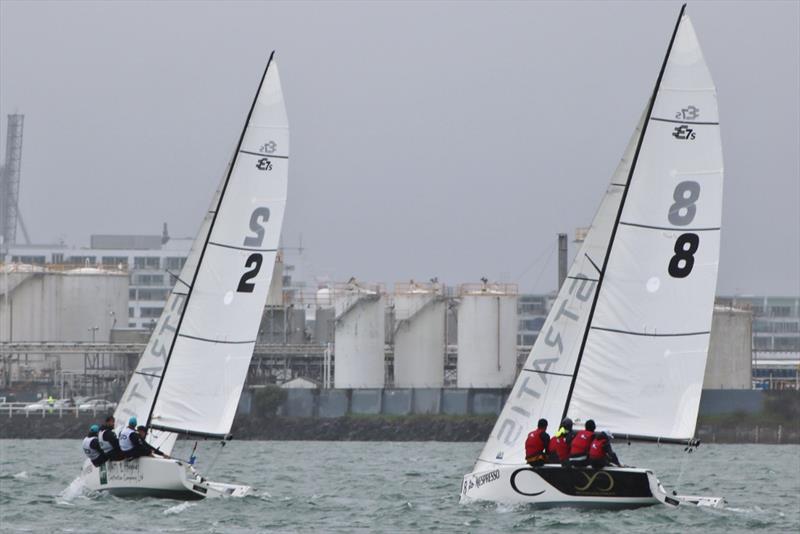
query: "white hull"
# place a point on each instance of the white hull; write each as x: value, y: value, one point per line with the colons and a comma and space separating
x: 155, y: 477
x: 554, y: 485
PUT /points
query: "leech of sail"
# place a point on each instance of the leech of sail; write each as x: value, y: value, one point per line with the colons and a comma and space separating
x: 614, y: 228
x: 243, y: 248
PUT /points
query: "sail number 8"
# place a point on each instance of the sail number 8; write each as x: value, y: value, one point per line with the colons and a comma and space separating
x: 258, y: 219
x: 681, y: 213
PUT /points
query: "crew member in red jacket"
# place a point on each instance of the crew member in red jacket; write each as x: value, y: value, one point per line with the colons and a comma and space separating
x: 536, y: 444
x: 579, y: 448
x: 560, y: 443
x: 600, y: 452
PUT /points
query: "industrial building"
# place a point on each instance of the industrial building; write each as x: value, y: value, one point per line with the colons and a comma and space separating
x: 46, y: 304
x: 151, y: 263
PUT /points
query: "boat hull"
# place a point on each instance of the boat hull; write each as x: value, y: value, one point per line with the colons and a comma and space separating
x: 155, y: 477
x: 553, y: 485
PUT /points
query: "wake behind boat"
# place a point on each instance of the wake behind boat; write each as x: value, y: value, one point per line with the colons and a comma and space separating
x: 626, y: 341
x: 189, y: 379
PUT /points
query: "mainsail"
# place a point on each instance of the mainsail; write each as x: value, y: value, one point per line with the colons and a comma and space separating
x: 190, y: 377
x: 141, y: 390
x: 626, y: 341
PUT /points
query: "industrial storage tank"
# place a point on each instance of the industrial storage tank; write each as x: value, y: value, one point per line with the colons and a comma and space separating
x: 419, y: 335
x: 730, y: 349
x: 359, y: 336
x: 77, y: 305
x: 487, y: 335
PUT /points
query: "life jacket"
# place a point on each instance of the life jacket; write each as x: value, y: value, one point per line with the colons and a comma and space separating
x: 560, y: 446
x: 91, y: 453
x: 125, y: 441
x: 597, y: 451
x: 535, y: 444
x: 105, y: 445
x: 581, y: 443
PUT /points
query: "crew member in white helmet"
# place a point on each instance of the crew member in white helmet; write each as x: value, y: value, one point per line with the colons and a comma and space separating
x: 127, y: 442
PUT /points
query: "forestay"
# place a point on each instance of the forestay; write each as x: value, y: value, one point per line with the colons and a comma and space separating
x: 626, y: 340
x: 211, y: 351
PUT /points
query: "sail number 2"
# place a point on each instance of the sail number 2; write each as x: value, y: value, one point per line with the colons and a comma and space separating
x: 258, y: 219
x: 681, y: 213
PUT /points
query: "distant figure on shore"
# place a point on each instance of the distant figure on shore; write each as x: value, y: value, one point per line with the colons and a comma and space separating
x: 536, y: 444
x: 579, y: 449
x: 92, y: 449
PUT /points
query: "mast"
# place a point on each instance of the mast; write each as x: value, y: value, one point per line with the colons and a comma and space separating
x: 208, y: 237
x: 619, y: 214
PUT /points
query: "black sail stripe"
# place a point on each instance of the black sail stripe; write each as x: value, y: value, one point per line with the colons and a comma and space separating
x: 685, y: 122
x: 583, y: 278
x: 147, y: 374
x: 209, y: 340
x: 671, y: 228
x: 263, y: 155
x: 242, y: 248
x: 647, y: 334
x: 625, y: 191
x: 208, y: 237
x: 546, y: 372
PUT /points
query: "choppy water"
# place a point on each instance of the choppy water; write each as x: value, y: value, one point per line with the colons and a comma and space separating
x: 391, y: 487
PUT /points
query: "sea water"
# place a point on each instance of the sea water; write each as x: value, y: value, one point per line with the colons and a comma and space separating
x: 318, y: 486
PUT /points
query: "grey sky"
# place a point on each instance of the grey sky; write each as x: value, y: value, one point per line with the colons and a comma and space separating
x: 428, y: 139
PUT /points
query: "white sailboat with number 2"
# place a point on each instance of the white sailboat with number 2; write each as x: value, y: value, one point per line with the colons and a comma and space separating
x: 190, y: 377
x: 626, y: 341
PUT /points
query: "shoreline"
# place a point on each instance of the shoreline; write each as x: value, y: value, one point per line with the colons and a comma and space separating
x: 442, y: 428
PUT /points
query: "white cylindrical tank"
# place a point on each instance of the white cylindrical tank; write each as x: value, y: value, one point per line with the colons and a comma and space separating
x: 93, y: 301
x: 359, y: 336
x: 730, y: 352
x: 487, y: 335
x: 419, y: 331
x: 419, y: 335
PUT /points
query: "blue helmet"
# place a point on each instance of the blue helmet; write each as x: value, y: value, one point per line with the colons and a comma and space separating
x: 132, y: 421
x: 94, y: 429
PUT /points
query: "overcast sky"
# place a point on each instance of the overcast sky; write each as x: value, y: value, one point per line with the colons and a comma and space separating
x: 428, y: 139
